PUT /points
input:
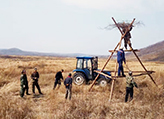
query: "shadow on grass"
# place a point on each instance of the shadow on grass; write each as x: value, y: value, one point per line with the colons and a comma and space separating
x: 38, y: 96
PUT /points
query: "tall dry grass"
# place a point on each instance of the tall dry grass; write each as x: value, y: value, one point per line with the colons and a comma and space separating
x: 148, y: 100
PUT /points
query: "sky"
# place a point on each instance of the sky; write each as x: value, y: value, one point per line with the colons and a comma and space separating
x: 76, y: 26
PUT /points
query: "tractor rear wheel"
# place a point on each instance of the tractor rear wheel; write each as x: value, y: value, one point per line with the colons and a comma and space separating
x: 102, y: 82
x: 79, y: 78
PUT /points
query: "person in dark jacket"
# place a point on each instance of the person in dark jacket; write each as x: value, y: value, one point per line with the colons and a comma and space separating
x: 120, y: 60
x: 129, y: 86
x: 24, y: 84
x: 58, y: 76
x: 68, y: 86
x: 35, y: 77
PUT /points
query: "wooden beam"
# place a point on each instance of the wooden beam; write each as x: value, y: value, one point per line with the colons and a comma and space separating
x: 150, y: 72
x: 112, y: 77
x: 99, y: 72
x: 136, y: 50
x: 113, y: 81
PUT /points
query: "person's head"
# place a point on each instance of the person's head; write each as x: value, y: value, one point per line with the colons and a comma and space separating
x: 130, y: 73
x: 62, y: 70
x: 35, y: 69
x: 121, y: 48
x: 69, y: 74
x: 23, y: 71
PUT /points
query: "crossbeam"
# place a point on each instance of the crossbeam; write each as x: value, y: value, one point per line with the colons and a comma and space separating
x: 136, y: 50
x: 150, y: 72
x: 141, y: 73
x: 99, y: 72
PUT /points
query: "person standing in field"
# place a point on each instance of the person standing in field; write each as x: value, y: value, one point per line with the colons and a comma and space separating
x: 68, y: 86
x: 129, y: 86
x: 58, y: 78
x: 120, y: 60
x: 24, y: 83
x: 35, y: 77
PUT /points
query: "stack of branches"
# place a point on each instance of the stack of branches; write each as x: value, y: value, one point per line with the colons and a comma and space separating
x: 123, y: 24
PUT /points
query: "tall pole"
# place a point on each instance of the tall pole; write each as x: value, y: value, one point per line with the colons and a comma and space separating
x: 113, y: 81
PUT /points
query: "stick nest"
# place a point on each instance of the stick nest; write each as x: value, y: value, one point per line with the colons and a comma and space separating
x: 123, y: 24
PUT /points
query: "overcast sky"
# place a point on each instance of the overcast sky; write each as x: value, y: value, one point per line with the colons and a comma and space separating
x: 74, y: 26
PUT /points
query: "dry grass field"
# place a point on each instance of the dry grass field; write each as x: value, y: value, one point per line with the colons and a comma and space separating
x: 148, y: 102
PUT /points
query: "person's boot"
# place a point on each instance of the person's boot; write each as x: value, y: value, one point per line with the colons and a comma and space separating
x: 130, y: 45
x: 125, y: 46
x: 41, y: 93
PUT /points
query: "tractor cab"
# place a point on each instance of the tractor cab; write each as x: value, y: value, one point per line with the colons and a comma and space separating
x: 85, y: 65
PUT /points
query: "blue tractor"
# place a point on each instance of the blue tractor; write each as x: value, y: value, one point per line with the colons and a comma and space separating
x: 85, y: 71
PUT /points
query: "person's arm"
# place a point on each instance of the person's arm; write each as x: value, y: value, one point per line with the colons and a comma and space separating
x: 65, y: 82
x: 32, y: 76
x: 61, y: 76
x: 134, y: 84
x: 37, y: 75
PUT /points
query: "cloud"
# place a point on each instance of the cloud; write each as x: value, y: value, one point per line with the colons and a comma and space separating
x: 120, y: 5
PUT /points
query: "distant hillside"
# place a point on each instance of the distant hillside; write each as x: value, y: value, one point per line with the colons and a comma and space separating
x: 16, y: 51
x: 153, y: 52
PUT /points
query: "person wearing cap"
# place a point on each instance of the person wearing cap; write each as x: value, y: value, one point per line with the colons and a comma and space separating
x: 129, y: 86
x: 35, y: 77
x: 120, y: 60
x: 68, y: 86
x: 58, y: 76
x: 24, y: 83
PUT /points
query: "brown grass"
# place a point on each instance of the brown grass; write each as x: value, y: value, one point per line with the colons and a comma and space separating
x: 148, y: 100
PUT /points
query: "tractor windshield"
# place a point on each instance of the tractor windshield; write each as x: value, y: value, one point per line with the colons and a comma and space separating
x: 87, y: 63
x: 79, y: 64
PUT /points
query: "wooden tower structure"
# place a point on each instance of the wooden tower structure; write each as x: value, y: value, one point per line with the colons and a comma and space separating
x: 115, y: 50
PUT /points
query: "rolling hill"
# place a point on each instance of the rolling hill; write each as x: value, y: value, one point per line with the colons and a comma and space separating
x: 16, y: 51
x: 154, y: 52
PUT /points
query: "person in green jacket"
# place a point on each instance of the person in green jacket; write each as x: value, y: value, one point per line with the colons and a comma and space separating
x: 24, y: 83
x: 129, y: 86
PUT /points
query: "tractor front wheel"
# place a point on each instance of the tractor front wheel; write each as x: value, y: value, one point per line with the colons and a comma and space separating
x: 79, y: 78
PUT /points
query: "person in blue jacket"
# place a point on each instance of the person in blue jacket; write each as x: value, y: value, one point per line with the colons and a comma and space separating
x: 120, y: 60
x: 68, y: 86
